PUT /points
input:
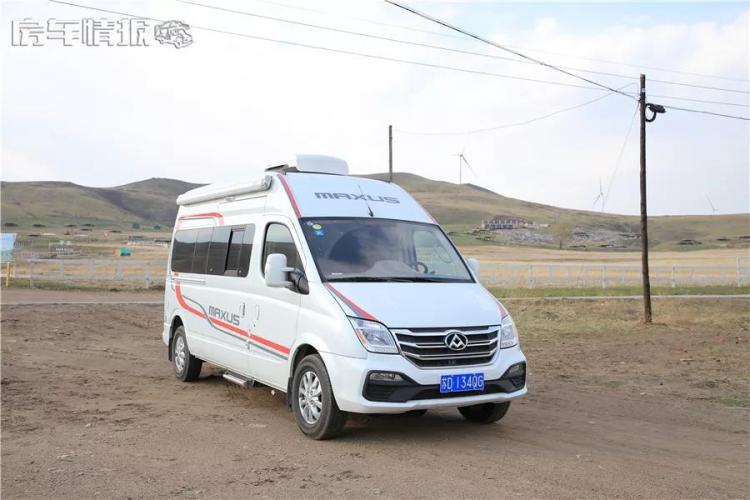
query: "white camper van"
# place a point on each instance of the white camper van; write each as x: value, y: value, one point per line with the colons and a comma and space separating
x: 342, y: 292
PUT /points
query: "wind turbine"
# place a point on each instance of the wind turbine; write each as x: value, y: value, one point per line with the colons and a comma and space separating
x: 713, y: 209
x: 600, y: 196
x: 461, y: 162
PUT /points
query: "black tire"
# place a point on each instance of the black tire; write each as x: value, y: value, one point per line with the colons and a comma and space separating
x: 486, y: 413
x: 186, y: 366
x: 330, y: 420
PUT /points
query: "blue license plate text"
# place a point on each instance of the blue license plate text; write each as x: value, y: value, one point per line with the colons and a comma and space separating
x: 462, y: 382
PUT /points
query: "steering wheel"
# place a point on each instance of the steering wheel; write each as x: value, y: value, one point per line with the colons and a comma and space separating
x: 419, y: 264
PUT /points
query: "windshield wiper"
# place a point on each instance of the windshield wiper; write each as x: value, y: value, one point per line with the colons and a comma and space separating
x: 420, y: 279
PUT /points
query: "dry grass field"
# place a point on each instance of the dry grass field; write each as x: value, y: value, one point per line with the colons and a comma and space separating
x: 512, y: 255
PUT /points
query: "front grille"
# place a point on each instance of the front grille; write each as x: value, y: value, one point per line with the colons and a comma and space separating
x: 426, y: 347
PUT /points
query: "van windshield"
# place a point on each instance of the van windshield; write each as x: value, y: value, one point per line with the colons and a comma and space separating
x: 357, y: 249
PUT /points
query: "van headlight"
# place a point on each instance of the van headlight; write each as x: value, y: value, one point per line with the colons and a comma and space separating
x: 374, y: 336
x: 508, y: 333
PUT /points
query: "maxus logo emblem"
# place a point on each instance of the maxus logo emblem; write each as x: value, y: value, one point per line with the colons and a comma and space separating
x: 223, y: 315
x: 353, y: 196
x: 455, y: 340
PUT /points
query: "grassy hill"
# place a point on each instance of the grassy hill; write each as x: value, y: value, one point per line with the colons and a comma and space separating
x: 460, y: 208
x: 56, y: 204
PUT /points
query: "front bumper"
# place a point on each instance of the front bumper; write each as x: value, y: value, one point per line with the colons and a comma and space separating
x: 349, y: 379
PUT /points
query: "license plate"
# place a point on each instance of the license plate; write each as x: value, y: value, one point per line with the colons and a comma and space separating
x: 462, y: 382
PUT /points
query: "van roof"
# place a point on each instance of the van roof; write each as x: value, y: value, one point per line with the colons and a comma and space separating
x: 317, y: 195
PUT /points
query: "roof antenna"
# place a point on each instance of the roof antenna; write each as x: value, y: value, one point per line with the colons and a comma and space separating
x: 365, y: 200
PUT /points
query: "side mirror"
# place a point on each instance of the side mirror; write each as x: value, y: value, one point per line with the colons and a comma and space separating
x: 278, y: 275
x: 276, y: 271
x: 299, y: 280
x: 473, y: 264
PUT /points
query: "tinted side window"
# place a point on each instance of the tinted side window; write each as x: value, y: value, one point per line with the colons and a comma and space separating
x: 233, y: 254
x: 217, y: 251
x: 279, y: 240
x: 203, y: 240
x: 183, y: 248
x: 247, y: 250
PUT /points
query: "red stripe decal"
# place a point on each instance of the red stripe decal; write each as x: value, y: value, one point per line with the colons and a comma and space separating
x: 273, y: 345
x: 185, y: 305
x: 351, y: 304
x: 290, y: 194
x: 208, y: 215
x: 268, y: 343
x: 229, y: 327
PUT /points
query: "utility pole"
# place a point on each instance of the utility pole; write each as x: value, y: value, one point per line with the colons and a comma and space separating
x: 655, y: 109
x: 647, y: 316
x: 390, y: 153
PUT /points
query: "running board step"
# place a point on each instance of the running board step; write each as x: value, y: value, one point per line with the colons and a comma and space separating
x: 238, y: 379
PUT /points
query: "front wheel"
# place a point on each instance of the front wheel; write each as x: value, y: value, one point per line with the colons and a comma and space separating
x: 318, y: 416
x: 486, y: 413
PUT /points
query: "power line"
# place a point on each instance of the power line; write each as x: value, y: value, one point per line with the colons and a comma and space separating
x: 705, y: 87
x: 344, y: 51
x: 691, y: 99
x: 447, y: 35
x: 702, y: 111
x: 435, y: 47
x: 499, y: 46
x: 509, y: 125
x: 359, y: 19
x: 638, y: 66
x: 382, y: 58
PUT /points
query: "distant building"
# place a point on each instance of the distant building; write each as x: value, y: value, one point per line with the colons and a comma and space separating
x: 505, y: 222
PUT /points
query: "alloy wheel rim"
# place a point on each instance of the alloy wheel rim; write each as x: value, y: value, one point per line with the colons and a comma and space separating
x: 310, y: 397
x: 179, y: 354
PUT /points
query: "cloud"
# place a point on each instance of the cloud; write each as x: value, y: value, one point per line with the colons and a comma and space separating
x: 226, y: 106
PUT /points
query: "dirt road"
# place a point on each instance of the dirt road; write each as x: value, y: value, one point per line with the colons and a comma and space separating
x: 91, y: 410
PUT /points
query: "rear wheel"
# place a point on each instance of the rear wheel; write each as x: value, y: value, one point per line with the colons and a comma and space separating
x: 486, y: 413
x: 186, y: 366
x: 318, y: 416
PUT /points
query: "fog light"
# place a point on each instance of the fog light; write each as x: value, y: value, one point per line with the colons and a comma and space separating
x: 386, y: 377
x: 517, y: 370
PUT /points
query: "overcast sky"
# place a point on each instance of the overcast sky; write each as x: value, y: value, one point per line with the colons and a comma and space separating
x: 227, y: 105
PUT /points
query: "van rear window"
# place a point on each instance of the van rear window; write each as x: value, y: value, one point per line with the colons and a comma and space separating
x: 183, y: 248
